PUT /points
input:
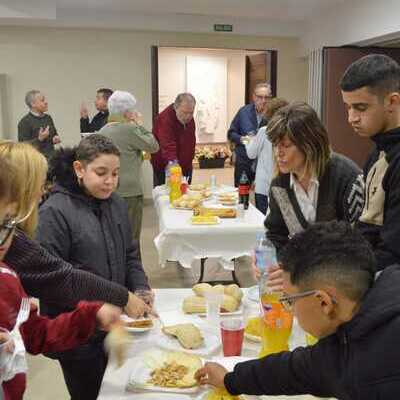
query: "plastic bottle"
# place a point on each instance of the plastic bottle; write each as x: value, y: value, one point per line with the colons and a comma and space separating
x: 244, y: 190
x: 168, y: 172
x: 265, y: 253
x: 175, y: 179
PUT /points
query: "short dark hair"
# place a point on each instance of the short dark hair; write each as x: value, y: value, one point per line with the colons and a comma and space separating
x: 331, y: 252
x: 105, y: 92
x: 93, y: 146
x: 378, y: 72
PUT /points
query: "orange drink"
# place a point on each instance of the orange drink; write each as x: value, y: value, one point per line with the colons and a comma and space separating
x: 276, y: 325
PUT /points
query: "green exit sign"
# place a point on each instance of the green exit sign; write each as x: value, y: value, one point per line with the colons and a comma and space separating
x: 223, y: 28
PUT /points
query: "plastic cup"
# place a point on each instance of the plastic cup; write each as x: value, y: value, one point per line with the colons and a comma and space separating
x: 213, y: 306
x: 232, y: 332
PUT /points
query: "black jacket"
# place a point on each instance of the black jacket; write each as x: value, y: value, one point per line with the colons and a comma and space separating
x: 337, y: 200
x: 380, y: 219
x: 359, y: 362
x: 98, y: 121
x: 90, y: 234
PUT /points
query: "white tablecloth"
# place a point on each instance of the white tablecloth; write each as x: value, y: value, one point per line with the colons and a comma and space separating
x: 178, y: 240
x: 115, y: 380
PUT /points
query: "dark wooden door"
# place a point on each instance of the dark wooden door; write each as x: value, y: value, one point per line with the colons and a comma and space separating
x: 260, y: 68
x: 341, y: 136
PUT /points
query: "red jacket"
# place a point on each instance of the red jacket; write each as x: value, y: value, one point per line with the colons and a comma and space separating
x: 177, y: 141
x: 41, y: 334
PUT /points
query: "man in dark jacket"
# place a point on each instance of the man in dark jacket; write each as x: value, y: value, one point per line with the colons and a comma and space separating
x: 37, y: 127
x: 329, y: 285
x: 100, y: 119
x: 175, y: 130
x: 246, y: 123
x: 371, y: 92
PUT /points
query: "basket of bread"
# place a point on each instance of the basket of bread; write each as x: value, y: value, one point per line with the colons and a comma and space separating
x: 196, y: 304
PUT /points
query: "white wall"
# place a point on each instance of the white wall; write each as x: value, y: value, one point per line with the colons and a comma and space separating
x: 171, y: 61
x: 354, y: 22
x: 70, y: 64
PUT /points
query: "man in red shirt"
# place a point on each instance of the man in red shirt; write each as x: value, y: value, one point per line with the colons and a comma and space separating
x: 174, y: 130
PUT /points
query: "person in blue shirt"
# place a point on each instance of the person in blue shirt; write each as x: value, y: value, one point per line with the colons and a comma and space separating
x: 246, y: 123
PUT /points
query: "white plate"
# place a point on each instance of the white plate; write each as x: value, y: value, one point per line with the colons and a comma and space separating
x: 211, y: 343
x: 140, y: 374
x: 125, y: 318
x: 253, y: 293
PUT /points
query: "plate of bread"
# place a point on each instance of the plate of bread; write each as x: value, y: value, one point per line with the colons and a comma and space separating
x: 137, y: 325
x: 188, y: 337
x: 220, y: 212
x: 231, y: 299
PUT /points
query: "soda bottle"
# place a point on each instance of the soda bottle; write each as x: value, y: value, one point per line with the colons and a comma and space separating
x: 244, y: 190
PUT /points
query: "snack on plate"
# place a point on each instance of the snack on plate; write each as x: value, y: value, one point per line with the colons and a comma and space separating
x: 187, y: 202
x: 229, y: 304
x: 198, y: 187
x: 141, y: 323
x: 200, y: 288
x: 204, y: 220
x: 234, y: 291
x: 216, y: 212
x: 176, y: 371
x: 229, y: 199
x: 188, y: 335
x: 194, y: 304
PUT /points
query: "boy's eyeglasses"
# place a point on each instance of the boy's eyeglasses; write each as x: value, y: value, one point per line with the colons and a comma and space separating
x: 7, y: 227
x: 288, y: 301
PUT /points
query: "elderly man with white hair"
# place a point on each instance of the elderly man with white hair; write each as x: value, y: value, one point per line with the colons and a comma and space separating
x: 125, y: 129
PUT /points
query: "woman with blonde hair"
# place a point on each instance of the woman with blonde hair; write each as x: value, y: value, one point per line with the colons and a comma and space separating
x: 29, y: 179
x: 43, y: 275
x: 313, y: 184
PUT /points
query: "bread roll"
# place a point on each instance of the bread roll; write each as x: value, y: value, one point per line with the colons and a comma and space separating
x: 234, y: 291
x: 229, y: 304
x: 200, y: 288
x: 194, y: 304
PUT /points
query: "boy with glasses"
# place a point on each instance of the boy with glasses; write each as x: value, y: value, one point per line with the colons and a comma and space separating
x: 328, y: 283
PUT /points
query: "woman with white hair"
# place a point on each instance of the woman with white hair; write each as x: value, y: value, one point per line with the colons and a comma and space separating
x: 126, y: 131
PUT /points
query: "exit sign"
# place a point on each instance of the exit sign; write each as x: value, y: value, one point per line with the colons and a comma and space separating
x: 223, y: 28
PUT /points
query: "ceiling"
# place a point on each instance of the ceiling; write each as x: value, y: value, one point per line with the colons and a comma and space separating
x: 255, y: 17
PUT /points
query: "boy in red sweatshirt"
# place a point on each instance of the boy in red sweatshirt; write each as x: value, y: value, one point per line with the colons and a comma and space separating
x: 39, y: 334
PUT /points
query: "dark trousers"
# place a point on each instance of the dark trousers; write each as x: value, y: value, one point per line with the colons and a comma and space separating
x: 83, y: 377
x: 159, y: 177
x: 261, y: 202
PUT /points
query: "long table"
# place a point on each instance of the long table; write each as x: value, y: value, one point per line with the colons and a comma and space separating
x: 181, y: 241
x: 115, y: 380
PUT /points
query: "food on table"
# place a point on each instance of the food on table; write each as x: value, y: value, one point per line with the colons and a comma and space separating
x: 229, y: 304
x: 232, y: 296
x: 198, y: 186
x: 221, y: 394
x: 254, y: 326
x: 188, y: 335
x: 194, y: 304
x: 187, y: 202
x: 177, y: 370
x: 200, y: 288
x: 217, y: 212
x: 117, y: 342
x: 204, y: 220
x: 234, y: 291
x: 229, y: 199
x: 141, y: 323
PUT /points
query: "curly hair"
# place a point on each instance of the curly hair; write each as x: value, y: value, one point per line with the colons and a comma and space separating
x: 334, y: 253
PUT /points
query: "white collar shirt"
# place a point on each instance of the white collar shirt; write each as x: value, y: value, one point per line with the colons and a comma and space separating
x: 307, y: 200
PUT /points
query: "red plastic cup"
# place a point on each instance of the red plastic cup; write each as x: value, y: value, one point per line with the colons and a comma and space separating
x: 232, y: 332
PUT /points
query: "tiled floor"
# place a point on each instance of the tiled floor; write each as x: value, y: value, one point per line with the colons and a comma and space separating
x: 45, y: 381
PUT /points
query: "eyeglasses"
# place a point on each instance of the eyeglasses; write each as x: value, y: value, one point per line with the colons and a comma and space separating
x: 7, y: 227
x: 288, y: 301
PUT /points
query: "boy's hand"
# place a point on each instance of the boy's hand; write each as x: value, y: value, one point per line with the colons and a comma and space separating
x: 136, y: 307
x: 275, y: 279
x: 107, y: 316
x: 44, y: 133
x: 212, y: 374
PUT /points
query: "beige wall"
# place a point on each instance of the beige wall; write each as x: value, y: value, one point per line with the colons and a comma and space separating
x: 68, y: 65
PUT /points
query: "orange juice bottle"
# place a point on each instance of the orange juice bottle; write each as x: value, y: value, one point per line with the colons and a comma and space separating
x: 277, y: 325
